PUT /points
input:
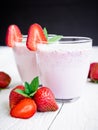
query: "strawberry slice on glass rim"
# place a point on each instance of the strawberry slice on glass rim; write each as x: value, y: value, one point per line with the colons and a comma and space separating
x: 35, y: 36
x: 13, y: 34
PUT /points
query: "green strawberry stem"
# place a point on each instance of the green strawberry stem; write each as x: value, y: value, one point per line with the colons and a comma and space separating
x: 30, y: 88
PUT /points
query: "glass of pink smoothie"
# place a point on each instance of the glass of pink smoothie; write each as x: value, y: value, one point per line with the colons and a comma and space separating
x: 64, y: 66
x: 25, y: 61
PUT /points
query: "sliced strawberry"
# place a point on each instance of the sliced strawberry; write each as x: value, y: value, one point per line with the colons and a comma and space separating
x: 26, y: 108
x: 35, y: 35
x: 13, y: 34
x: 45, y: 100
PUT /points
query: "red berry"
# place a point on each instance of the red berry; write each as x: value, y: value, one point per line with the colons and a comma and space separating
x: 94, y: 71
x: 5, y: 79
x: 45, y: 100
x: 26, y: 108
x: 35, y: 36
x: 15, y: 97
x: 13, y: 34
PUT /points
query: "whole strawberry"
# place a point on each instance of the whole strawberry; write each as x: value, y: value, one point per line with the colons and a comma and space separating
x: 5, y: 79
x: 45, y: 100
x: 93, y: 72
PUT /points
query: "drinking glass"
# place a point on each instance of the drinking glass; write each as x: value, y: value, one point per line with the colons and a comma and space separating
x: 25, y: 61
x: 64, y: 65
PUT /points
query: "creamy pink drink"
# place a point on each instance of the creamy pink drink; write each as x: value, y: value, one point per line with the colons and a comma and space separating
x: 25, y: 61
x: 64, y: 66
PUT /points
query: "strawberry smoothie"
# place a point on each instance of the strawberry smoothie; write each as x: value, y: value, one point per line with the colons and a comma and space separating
x: 25, y: 61
x: 64, y: 66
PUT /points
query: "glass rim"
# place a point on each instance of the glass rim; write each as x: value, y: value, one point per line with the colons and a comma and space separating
x: 74, y: 39
x: 73, y: 43
x: 67, y: 39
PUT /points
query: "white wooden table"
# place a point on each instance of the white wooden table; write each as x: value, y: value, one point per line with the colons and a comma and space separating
x: 79, y: 115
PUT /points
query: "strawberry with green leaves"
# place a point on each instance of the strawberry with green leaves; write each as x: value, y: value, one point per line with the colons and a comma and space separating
x: 20, y: 100
x: 20, y: 92
x: 43, y: 96
x: 25, y: 109
x: 13, y: 34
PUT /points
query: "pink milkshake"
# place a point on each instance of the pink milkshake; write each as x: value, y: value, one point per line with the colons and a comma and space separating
x: 64, y: 66
x: 25, y: 61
